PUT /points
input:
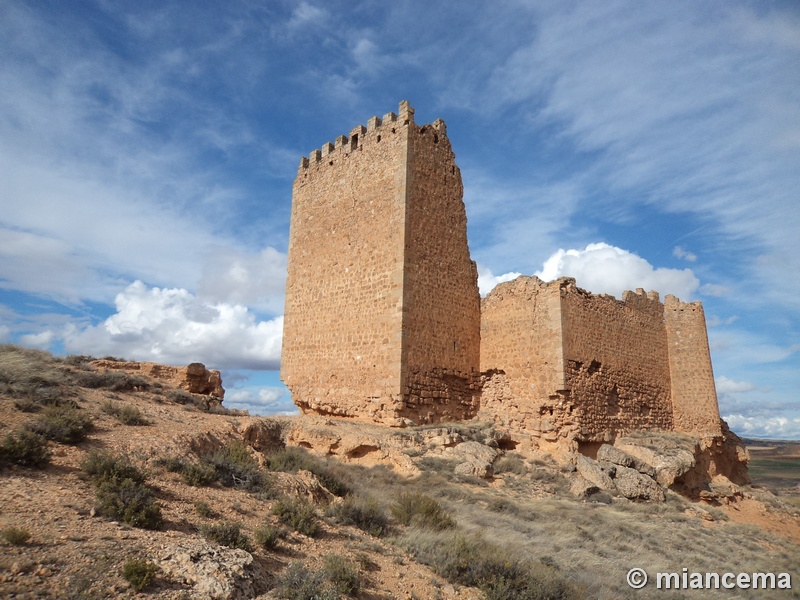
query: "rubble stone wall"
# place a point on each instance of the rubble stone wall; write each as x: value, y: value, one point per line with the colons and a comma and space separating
x: 694, y: 394
x: 616, y: 362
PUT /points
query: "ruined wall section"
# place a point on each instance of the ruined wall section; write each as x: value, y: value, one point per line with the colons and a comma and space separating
x: 441, y: 304
x: 694, y: 394
x: 521, y: 356
x: 616, y: 362
x: 343, y: 315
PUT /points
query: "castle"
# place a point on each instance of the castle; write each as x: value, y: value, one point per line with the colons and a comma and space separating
x: 384, y: 322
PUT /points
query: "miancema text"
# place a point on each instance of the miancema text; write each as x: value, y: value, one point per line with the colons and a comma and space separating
x: 715, y: 581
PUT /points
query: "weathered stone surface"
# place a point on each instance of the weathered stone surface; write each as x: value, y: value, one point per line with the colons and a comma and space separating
x: 303, y: 485
x: 634, y: 485
x: 581, y: 488
x: 591, y: 471
x: 478, y: 459
x: 669, y: 467
x: 215, y: 572
x: 194, y: 378
x: 616, y: 456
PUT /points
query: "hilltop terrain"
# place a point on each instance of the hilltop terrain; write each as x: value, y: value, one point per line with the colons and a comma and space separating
x: 115, y: 483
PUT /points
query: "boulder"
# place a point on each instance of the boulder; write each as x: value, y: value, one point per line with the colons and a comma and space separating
x: 477, y: 459
x: 581, y: 488
x: 591, y: 471
x: 636, y: 486
x: 669, y: 467
x: 215, y: 572
x: 608, y: 453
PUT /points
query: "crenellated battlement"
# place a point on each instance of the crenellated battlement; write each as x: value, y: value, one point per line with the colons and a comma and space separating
x: 375, y: 131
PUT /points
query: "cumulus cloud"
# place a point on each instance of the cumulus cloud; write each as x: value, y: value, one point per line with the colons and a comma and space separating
x: 487, y: 280
x: 261, y: 401
x: 605, y: 269
x: 714, y: 289
x: 679, y: 252
x: 234, y: 277
x: 174, y: 326
x: 759, y: 427
x: 729, y: 386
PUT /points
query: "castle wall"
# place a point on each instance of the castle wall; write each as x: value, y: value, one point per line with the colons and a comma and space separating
x: 441, y: 305
x: 616, y: 362
x: 521, y: 354
x: 344, y: 305
x: 382, y: 316
x: 694, y: 395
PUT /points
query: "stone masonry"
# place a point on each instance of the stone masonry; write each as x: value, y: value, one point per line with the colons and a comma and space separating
x: 383, y: 321
x: 564, y: 363
x: 382, y: 316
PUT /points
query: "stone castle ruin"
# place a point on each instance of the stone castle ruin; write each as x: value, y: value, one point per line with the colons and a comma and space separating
x: 384, y: 322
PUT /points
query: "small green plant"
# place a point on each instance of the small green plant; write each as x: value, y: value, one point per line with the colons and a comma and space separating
x: 227, y: 534
x: 204, y: 510
x: 298, y: 582
x: 342, y: 574
x: 298, y: 515
x: 292, y: 459
x: 63, y: 424
x: 420, y: 510
x: 235, y: 467
x: 115, y: 381
x: 363, y: 512
x: 268, y: 536
x: 16, y: 536
x: 26, y: 449
x: 139, y: 573
x: 127, y: 414
x: 198, y: 474
x: 121, y: 491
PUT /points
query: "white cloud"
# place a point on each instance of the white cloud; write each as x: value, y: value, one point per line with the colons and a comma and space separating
x: 679, y: 252
x: 261, y: 401
x: 725, y: 385
x: 714, y: 289
x: 487, y: 281
x: 173, y: 326
x: 41, y: 340
x: 255, y: 280
x: 606, y: 269
x: 761, y: 427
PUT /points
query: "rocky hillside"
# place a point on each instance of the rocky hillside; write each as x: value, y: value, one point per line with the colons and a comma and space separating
x: 118, y: 482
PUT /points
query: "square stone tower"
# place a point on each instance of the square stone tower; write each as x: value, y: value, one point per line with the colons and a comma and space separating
x: 382, y: 316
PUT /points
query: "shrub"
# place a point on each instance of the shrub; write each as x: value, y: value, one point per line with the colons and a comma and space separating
x: 16, y: 536
x: 234, y: 467
x: 412, y: 508
x: 204, y: 509
x: 126, y: 414
x: 198, y: 474
x: 363, y: 512
x: 342, y: 574
x: 474, y: 562
x: 227, y: 534
x: 63, y: 424
x: 139, y: 573
x: 268, y: 536
x: 103, y: 466
x: 292, y: 459
x: 510, y: 463
x: 116, y: 381
x: 26, y: 449
x: 121, y: 491
x: 297, y: 514
x: 298, y: 582
x: 130, y: 502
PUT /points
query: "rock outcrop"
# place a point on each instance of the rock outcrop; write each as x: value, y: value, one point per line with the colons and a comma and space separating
x: 193, y: 378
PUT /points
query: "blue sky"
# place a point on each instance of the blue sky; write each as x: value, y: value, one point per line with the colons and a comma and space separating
x: 147, y: 153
